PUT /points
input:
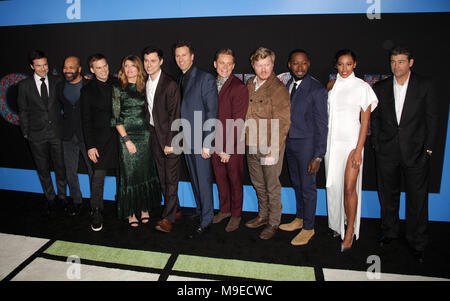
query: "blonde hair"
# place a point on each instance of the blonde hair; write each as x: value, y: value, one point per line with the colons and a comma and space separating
x: 140, y: 81
x: 260, y: 54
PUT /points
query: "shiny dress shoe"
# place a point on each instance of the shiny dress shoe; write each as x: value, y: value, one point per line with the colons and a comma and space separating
x: 384, y: 240
x: 178, y: 215
x: 164, y: 226
x: 256, y: 222
x: 420, y: 256
x: 268, y: 232
x: 199, y: 231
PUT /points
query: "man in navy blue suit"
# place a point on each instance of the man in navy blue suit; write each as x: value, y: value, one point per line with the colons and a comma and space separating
x: 306, y: 142
x: 199, y: 103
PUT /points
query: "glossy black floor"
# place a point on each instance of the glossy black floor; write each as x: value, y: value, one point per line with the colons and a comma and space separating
x: 21, y: 213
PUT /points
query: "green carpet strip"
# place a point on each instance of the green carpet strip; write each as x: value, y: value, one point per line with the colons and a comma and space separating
x: 244, y: 269
x: 108, y: 254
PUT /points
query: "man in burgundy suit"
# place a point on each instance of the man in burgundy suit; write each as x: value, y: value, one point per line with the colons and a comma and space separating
x: 228, y: 158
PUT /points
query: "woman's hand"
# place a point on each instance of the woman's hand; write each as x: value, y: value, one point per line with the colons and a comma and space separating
x: 131, y: 147
x: 356, y: 158
x: 93, y: 154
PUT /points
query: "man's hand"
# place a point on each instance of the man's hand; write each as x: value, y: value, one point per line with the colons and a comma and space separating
x: 224, y: 158
x: 205, y: 153
x: 93, y: 154
x: 168, y: 150
x: 313, y: 166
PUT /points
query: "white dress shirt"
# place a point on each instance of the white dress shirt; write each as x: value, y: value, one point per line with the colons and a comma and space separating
x: 37, y: 80
x: 151, y: 89
x: 399, y: 96
x: 292, y: 85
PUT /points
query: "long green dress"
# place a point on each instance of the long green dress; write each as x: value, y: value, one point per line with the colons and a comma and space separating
x: 138, y: 188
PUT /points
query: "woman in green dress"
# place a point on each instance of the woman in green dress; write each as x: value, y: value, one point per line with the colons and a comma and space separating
x: 138, y: 189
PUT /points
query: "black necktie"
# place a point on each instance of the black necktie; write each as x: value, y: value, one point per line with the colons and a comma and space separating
x: 293, y: 90
x: 44, y: 93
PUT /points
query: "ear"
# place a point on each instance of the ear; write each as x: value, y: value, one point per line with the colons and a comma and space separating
x: 31, y: 66
x: 161, y: 62
x: 92, y: 70
x: 215, y: 64
x: 411, y: 63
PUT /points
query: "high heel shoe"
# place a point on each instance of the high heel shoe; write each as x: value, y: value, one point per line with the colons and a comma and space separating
x: 345, y: 249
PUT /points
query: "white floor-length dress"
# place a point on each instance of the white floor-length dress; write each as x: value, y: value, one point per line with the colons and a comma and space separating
x: 345, y: 101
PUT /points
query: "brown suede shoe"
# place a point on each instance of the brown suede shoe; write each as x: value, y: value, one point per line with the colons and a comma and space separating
x: 268, y: 232
x: 233, y: 224
x: 303, y: 237
x: 296, y: 224
x: 220, y: 217
x: 164, y: 226
x: 257, y: 222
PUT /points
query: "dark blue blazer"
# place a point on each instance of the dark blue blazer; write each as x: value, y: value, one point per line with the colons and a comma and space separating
x: 200, y: 95
x: 309, y: 114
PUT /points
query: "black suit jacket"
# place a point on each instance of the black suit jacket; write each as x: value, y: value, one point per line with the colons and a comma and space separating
x: 71, y: 114
x: 166, y: 109
x: 37, y: 120
x: 416, y: 133
x: 96, y: 113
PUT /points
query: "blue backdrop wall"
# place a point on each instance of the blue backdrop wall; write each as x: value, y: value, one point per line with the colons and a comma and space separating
x: 19, y: 13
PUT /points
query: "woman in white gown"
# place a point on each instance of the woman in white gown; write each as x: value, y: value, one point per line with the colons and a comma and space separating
x: 350, y: 102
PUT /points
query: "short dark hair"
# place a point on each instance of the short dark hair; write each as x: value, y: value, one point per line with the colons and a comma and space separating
x: 35, y: 55
x: 78, y: 59
x: 344, y: 52
x: 95, y: 57
x: 151, y: 49
x: 298, y: 50
x: 183, y: 44
x: 401, y: 49
x: 226, y: 51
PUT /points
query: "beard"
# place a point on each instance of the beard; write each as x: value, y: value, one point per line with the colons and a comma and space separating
x: 70, y: 76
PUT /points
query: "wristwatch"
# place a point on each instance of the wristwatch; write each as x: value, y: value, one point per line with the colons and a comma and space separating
x: 318, y: 159
x: 429, y: 152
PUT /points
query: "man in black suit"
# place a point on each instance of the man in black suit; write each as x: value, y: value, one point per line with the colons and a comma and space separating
x: 100, y: 137
x: 68, y: 93
x: 404, y: 127
x: 163, y: 108
x: 41, y: 124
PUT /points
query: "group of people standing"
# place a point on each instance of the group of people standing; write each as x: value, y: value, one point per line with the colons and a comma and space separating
x: 140, y: 122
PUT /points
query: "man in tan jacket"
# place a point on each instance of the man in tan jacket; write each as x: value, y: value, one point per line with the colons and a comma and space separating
x: 267, y: 124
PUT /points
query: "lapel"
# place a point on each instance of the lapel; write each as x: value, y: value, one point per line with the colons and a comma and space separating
x: 191, y: 80
x: 158, y: 92
x: 226, y: 85
x: 301, y: 89
x: 410, y: 92
x: 390, y: 100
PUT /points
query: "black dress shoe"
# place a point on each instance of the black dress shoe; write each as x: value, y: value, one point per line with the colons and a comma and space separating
x: 384, y: 240
x: 199, y: 231
x: 420, y: 256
